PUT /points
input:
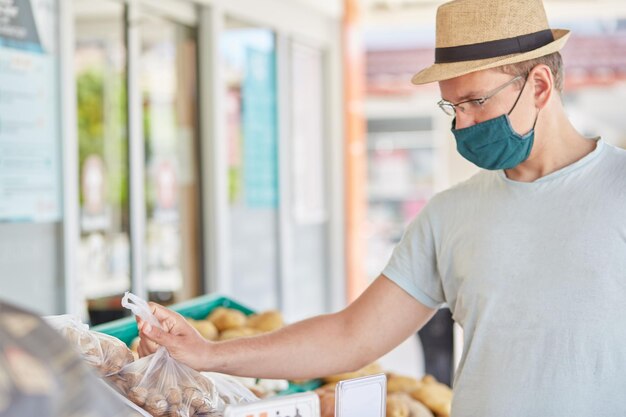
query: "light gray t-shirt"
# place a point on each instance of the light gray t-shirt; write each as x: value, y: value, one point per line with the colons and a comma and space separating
x: 535, y: 273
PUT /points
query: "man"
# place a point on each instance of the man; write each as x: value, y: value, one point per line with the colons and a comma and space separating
x: 529, y: 254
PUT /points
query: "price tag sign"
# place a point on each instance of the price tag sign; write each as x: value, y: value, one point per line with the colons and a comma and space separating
x: 296, y: 405
x: 362, y: 397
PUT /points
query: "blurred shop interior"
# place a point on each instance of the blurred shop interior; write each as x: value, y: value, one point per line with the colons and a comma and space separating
x: 270, y: 151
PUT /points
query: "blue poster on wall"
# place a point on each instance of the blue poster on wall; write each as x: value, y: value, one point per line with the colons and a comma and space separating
x: 260, y: 142
x: 30, y: 170
x: 17, y: 26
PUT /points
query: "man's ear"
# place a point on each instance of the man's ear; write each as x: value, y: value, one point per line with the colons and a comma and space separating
x: 543, y: 83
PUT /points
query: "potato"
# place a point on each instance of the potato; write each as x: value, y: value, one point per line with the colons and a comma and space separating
x: 371, y: 369
x: 206, y: 329
x: 415, y: 408
x: 400, y: 383
x: 118, y: 383
x: 237, y: 333
x: 132, y: 378
x: 114, y: 355
x: 174, y: 396
x: 226, y: 318
x: 135, y: 344
x: 266, y: 322
x: 435, y: 395
x: 178, y: 411
x: 156, y: 404
x: 327, y: 401
x: 138, y: 395
x: 397, y: 407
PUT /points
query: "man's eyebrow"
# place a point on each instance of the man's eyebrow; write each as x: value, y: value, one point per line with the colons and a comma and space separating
x: 471, y: 94
x: 467, y: 96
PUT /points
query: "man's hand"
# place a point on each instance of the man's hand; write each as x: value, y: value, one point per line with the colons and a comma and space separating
x: 181, y: 340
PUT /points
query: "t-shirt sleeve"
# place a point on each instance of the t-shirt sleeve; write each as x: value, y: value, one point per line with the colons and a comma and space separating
x: 413, y: 264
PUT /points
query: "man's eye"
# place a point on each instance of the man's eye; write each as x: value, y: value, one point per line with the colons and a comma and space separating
x: 477, y: 102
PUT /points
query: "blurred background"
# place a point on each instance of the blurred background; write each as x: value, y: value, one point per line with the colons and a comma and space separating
x: 268, y: 150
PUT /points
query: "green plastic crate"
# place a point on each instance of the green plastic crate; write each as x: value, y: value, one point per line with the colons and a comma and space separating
x: 197, y: 308
x: 304, y: 387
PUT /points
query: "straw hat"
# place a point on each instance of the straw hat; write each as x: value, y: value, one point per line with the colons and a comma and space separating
x: 474, y: 35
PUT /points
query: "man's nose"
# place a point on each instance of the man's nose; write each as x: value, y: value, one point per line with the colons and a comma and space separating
x: 464, y: 120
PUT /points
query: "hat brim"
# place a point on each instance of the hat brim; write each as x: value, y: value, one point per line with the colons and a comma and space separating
x: 440, y: 72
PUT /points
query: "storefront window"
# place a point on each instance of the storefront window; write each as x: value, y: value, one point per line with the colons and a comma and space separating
x: 595, y: 78
x: 169, y: 88
x: 401, y: 180
x: 31, y: 205
x: 248, y: 57
x: 100, y: 65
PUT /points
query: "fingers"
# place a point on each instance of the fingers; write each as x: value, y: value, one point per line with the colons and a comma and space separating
x: 162, y: 313
x: 174, y: 326
x: 146, y: 346
x: 171, y: 321
x: 156, y: 335
x: 143, y: 349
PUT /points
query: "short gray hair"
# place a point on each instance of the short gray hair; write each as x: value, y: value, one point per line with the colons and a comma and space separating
x: 554, y: 61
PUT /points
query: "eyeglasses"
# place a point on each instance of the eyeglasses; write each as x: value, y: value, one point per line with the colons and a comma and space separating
x: 473, y: 105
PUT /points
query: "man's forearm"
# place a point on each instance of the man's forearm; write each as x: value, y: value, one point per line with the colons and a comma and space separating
x: 311, y: 348
x: 381, y: 318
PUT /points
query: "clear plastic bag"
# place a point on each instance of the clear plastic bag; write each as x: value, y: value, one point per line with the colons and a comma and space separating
x: 42, y: 375
x: 105, y: 353
x: 230, y: 390
x: 163, y: 386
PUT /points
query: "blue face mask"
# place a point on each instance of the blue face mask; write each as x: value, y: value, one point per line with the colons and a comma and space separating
x: 493, y: 144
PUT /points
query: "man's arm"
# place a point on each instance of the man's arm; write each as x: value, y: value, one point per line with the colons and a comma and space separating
x: 380, y: 319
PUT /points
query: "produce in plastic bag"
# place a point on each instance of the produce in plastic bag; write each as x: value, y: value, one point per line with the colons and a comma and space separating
x: 262, y: 388
x: 106, y: 353
x: 163, y: 386
x: 230, y: 390
x: 41, y: 375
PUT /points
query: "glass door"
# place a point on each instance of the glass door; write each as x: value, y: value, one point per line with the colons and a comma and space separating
x: 166, y: 80
x: 306, y: 283
x: 168, y: 83
x: 101, y: 102
x: 248, y: 55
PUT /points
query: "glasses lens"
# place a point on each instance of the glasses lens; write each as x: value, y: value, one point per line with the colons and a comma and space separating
x: 447, y: 108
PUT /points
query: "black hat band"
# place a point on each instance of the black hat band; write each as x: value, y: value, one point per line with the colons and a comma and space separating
x: 492, y: 49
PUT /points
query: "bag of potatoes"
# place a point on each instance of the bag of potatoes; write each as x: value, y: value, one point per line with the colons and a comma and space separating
x: 163, y: 386
x: 166, y: 388
x: 105, y: 353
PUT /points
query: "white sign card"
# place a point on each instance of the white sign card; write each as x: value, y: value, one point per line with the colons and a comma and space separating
x: 362, y: 397
x: 296, y: 405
